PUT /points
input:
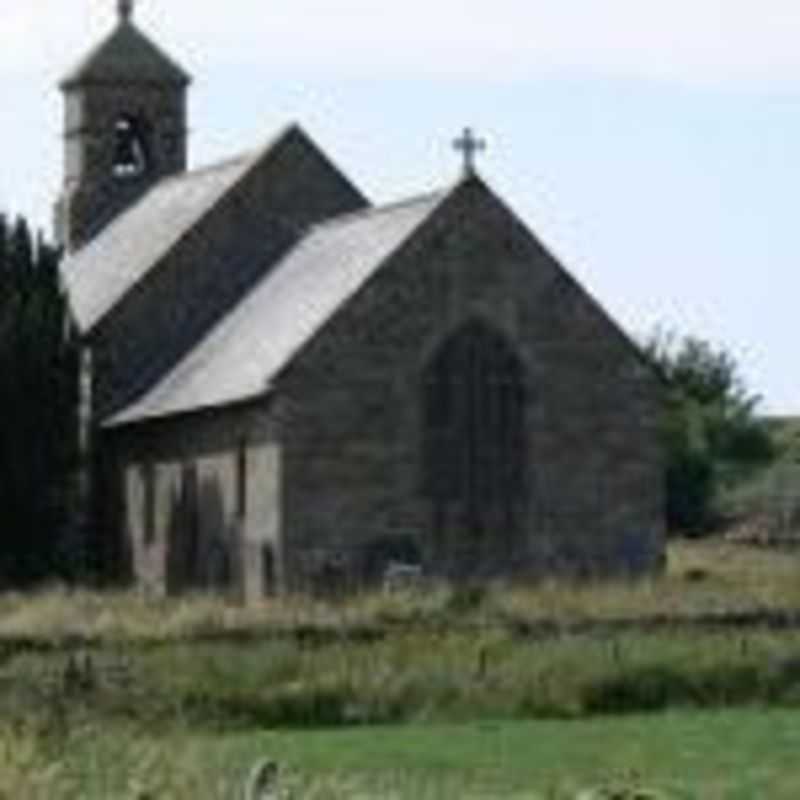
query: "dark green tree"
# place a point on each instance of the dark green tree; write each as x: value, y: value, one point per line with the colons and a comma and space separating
x: 37, y: 407
x: 713, y: 437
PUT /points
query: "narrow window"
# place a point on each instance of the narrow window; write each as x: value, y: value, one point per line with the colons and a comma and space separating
x: 183, y: 533
x: 131, y: 156
x: 267, y: 569
x: 149, y: 503
x: 241, y: 479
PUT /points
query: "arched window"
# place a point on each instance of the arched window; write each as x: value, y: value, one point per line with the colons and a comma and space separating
x: 475, y: 452
x: 131, y: 151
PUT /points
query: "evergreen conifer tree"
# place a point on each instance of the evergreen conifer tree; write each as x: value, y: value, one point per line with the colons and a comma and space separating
x: 37, y: 405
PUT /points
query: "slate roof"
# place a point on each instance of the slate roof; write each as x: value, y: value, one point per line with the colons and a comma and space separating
x: 126, y: 55
x: 240, y: 357
x: 101, y: 273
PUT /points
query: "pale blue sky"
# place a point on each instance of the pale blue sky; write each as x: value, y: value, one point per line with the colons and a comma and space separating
x: 652, y: 145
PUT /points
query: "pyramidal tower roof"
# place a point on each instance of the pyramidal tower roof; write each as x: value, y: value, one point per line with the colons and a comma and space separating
x: 126, y: 56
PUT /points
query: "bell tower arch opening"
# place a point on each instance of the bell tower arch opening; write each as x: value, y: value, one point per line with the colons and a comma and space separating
x: 475, y: 453
x: 131, y: 156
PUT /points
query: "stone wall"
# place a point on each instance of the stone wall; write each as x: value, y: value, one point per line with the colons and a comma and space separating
x: 198, y: 502
x: 352, y: 425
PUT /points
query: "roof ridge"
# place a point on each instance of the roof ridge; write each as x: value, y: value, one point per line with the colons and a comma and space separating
x: 375, y: 210
x: 168, y: 180
x: 205, y: 169
x: 246, y: 160
x: 250, y: 155
x: 244, y: 157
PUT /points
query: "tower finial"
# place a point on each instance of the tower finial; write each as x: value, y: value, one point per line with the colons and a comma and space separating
x: 125, y: 8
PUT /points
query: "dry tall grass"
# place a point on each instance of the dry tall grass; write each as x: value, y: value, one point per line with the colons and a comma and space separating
x: 441, y: 654
x: 703, y: 578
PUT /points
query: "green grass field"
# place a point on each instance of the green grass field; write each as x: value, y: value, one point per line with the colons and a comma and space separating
x: 504, y: 693
x: 735, y: 755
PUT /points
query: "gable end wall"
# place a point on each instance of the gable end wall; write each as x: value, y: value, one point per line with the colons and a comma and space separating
x: 353, y: 425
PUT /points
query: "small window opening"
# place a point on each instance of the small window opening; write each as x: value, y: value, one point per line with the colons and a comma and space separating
x: 267, y: 569
x: 241, y: 479
x: 149, y: 509
x: 131, y: 158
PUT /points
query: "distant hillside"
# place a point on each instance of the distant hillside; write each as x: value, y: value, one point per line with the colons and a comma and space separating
x: 766, y: 507
x: 786, y: 432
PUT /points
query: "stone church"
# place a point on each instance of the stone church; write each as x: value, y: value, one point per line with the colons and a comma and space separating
x: 287, y: 388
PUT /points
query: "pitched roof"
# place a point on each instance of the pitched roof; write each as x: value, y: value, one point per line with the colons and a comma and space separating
x: 101, y: 273
x: 126, y: 55
x: 241, y: 356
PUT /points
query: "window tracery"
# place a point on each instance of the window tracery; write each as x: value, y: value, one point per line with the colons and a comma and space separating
x: 474, y: 432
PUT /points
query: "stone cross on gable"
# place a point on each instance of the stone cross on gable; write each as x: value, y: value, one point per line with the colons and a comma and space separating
x: 125, y: 9
x: 469, y: 146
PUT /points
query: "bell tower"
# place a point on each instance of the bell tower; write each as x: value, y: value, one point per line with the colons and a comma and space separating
x: 125, y: 129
